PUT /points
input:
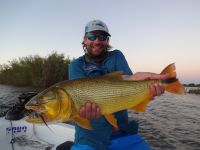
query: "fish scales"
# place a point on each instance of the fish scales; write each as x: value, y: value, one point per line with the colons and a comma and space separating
x: 116, y: 94
x: 62, y: 101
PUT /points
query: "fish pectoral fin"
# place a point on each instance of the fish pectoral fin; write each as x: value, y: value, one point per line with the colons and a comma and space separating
x: 83, y: 122
x: 111, y: 119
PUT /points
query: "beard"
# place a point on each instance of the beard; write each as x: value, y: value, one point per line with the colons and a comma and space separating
x: 98, y: 54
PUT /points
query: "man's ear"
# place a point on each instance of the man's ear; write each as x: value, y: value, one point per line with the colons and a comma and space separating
x: 84, y: 39
x: 108, y: 39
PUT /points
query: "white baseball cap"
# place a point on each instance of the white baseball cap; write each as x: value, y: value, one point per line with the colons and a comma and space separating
x: 96, y: 25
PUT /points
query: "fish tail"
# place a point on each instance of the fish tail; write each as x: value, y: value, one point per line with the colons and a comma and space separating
x: 172, y: 84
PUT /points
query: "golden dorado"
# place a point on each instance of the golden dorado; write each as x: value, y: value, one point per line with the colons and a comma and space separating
x: 62, y: 101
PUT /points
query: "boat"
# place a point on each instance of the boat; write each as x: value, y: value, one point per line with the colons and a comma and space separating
x: 20, y: 135
x: 17, y: 134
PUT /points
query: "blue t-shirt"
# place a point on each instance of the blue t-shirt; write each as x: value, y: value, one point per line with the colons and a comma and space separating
x: 83, y: 67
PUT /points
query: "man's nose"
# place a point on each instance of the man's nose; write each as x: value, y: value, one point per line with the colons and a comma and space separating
x: 97, y: 40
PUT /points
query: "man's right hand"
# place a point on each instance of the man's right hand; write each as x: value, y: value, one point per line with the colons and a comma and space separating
x: 90, y: 111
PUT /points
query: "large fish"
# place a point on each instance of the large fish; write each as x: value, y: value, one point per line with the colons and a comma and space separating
x: 62, y: 101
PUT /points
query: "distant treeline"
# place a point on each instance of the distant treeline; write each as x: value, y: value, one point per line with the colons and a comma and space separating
x: 191, y: 85
x: 194, y: 91
x: 35, y: 71
x: 195, y: 88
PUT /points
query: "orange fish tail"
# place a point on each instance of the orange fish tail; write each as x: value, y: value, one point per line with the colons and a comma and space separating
x: 172, y: 84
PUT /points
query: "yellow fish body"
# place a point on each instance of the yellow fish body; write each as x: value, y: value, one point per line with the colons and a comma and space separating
x: 111, y: 93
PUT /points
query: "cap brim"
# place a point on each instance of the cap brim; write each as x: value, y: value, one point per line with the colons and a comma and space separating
x: 99, y: 31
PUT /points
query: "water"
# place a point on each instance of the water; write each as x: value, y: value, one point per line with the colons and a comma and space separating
x: 9, y: 95
x: 171, y: 122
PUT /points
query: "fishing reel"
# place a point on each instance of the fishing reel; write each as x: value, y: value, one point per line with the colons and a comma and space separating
x: 18, y: 111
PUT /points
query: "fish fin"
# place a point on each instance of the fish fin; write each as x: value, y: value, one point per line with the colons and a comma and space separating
x: 141, y: 107
x: 111, y: 119
x: 175, y: 88
x: 82, y: 122
x: 170, y: 69
x: 115, y: 75
x: 172, y: 84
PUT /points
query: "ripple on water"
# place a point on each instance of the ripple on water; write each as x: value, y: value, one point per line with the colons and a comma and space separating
x: 171, y: 122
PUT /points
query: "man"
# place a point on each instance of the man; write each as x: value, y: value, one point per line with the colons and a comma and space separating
x: 97, y: 61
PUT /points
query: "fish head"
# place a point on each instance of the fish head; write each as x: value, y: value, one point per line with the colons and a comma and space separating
x: 51, y: 105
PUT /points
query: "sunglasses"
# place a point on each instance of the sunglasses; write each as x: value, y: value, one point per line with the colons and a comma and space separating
x: 93, y: 37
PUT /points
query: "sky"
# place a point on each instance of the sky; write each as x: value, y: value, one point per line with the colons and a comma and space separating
x: 150, y: 33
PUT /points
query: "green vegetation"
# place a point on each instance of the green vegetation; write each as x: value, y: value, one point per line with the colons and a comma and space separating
x: 192, y: 88
x: 191, y: 85
x: 35, y: 71
x: 194, y: 91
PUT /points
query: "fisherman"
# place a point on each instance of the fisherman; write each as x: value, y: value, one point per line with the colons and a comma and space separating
x: 97, y: 61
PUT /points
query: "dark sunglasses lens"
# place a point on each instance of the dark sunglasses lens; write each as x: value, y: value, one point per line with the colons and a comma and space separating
x: 102, y: 37
x: 91, y: 37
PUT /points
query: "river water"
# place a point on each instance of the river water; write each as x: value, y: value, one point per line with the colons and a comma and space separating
x: 171, y: 122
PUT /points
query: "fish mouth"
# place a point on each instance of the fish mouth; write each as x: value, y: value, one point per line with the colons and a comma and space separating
x: 35, y: 117
x: 33, y: 107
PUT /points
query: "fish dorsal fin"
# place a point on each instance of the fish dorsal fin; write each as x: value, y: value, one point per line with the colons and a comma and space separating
x: 114, y: 75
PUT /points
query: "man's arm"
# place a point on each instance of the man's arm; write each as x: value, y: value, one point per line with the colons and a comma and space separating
x: 144, y: 76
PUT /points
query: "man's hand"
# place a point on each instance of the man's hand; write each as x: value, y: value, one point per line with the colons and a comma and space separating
x: 156, y: 89
x: 90, y: 111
